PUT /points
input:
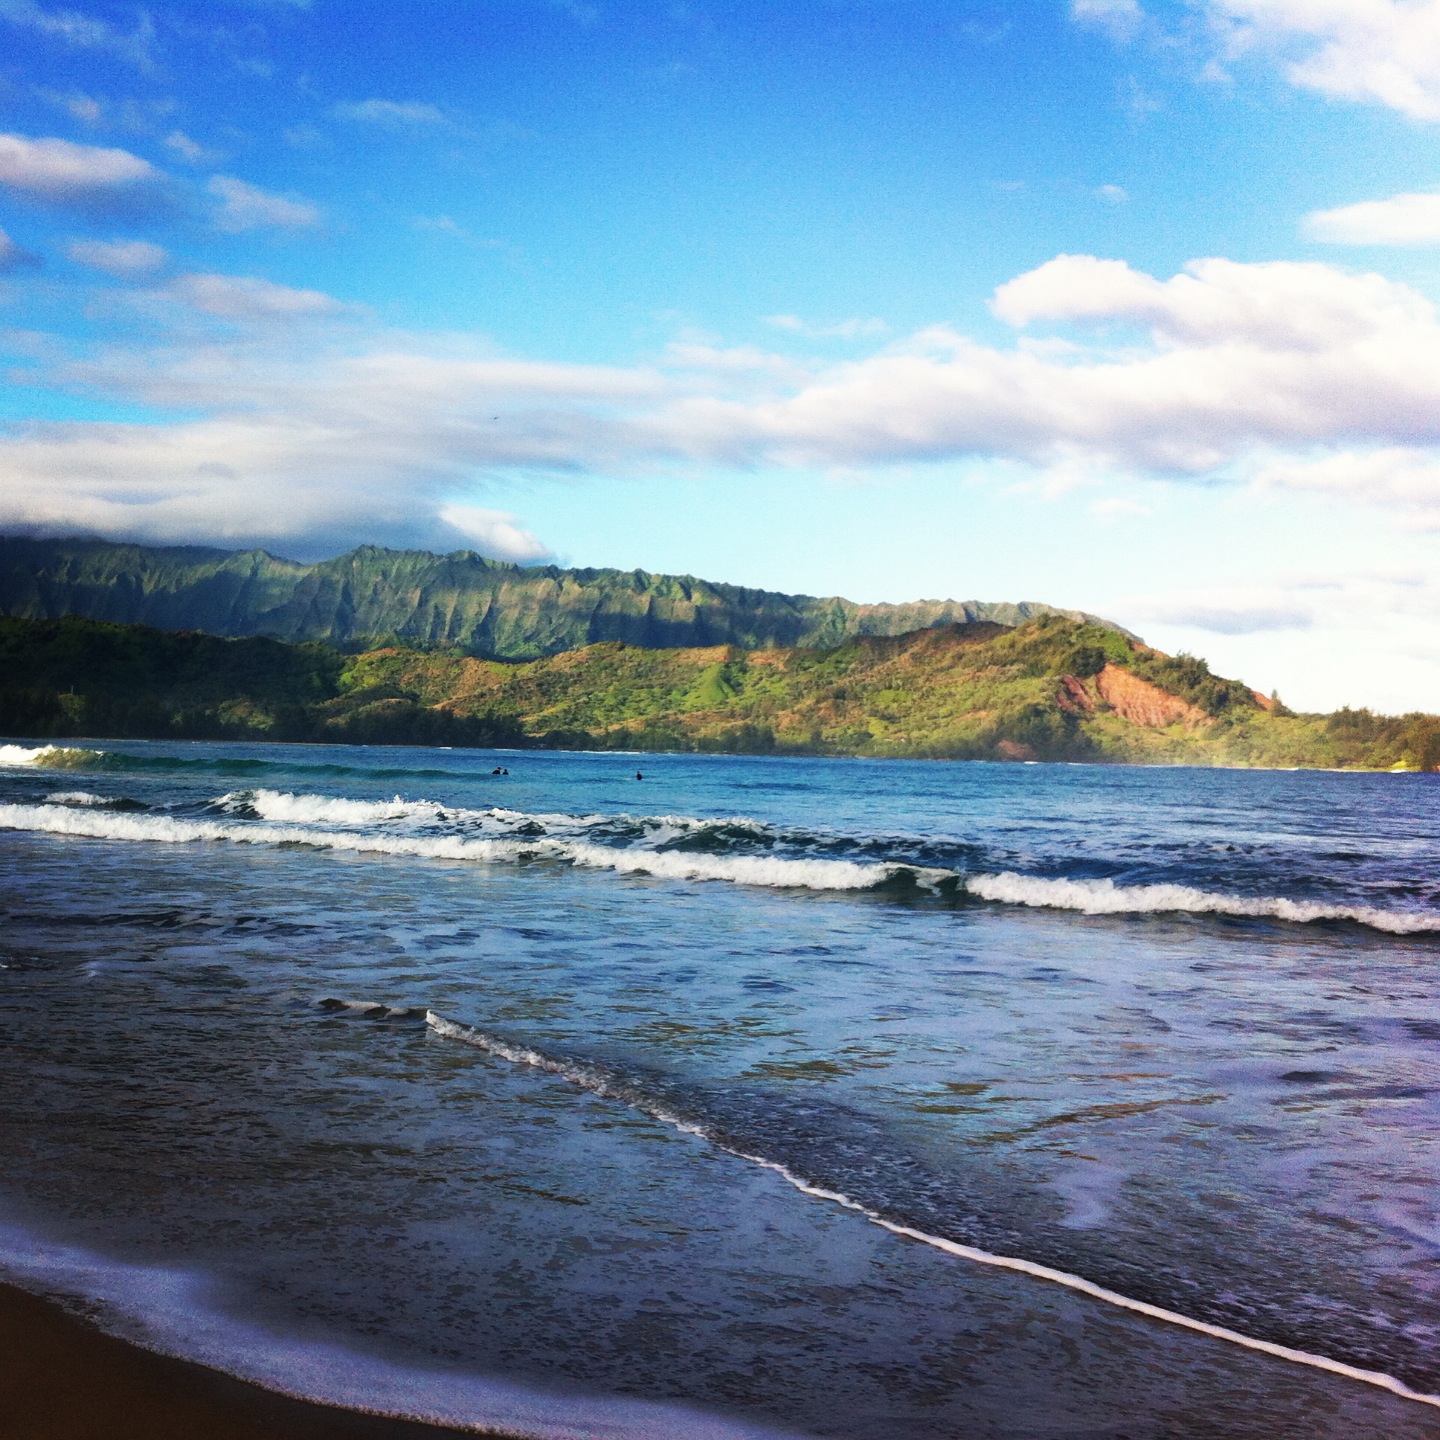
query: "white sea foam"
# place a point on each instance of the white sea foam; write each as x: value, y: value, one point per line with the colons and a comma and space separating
x: 171, y: 1311
x: 81, y: 799
x: 741, y: 869
x: 596, y: 1082
x: 1105, y: 897
x: 406, y: 827
x: 44, y: 756
x: 326, y: 810
x: 174, y: 830
x: 289, y: 808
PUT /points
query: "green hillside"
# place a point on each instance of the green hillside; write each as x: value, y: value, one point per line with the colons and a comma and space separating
x: 460, y: 601
x: 1050, y: 688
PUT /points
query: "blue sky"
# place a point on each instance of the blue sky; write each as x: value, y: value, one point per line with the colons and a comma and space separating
x: 1119, y: 304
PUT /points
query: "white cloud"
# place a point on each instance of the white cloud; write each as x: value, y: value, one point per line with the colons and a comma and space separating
x: 735, y: 365
x: 245, y: 297
x: 1115, y: 194
x: 442, y: 224
x: 79, y: 106
x: 1241, y: 360
x: 1227, y: 611
x: 495, y: 533
x: 60, y: 171
x: 304, y: 137
x: 392, y: 114
x: 1378, y: 52
x: 247, y: 207
x: 1121, y: 17
x: 1300, y: 377
x: 1374, y: 52
x: 854, y: 328
x: 1411, y: 219
x: 1402, y: 477
x: 124, y: 259
x: 1115, y: 505
x: 84, y: 32
x: 309, y: 434
x: 192, y: 152
x: 15, y: 257
x: 1079, y: 287
x: 1351, y: 634
x: 1275, y: 306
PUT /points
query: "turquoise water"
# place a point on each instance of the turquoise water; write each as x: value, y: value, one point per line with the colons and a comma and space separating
x: 706, y: 1103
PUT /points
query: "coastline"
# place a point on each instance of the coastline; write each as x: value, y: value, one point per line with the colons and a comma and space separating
x: 95, y: 743
x: 63, y: 1379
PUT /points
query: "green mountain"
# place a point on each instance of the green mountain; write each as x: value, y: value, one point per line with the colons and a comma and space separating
x: 1049, y: 688
x: 459, y: 601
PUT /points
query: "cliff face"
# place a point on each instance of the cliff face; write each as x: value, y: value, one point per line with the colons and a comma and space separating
x: 459, y: 601
x: 1142, y: 703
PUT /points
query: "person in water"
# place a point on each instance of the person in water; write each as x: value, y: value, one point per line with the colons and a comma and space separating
x: 638, y: 775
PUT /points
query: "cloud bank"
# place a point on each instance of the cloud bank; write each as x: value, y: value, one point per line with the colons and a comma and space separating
x: 301, y: 419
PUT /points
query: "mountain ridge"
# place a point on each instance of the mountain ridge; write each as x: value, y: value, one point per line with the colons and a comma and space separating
x: 460, y: 601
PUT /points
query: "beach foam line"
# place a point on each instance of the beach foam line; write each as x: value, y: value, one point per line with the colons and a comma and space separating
x: 595, y: 1080
x: 1105, y: 897
x: 175, y: 1312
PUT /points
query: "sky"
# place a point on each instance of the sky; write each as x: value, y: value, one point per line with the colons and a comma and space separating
x: 1122, y: 305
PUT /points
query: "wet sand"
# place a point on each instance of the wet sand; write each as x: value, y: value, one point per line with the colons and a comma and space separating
x: 61, y: 1379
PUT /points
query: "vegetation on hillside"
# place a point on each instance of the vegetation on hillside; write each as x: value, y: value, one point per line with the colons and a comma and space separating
x: 461, y: 601
x: 1051, y: 688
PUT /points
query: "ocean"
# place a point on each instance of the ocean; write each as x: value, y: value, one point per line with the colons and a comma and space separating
x: 756, y: 1097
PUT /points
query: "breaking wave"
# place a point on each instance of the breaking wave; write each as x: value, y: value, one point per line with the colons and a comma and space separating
x: 740, y: 869
x: 1105, y: 897
x: 325, y: 810
x: 734, y: 849
x: 51, y: 757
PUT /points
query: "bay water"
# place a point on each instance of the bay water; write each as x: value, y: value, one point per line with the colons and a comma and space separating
x: 737, y: 1096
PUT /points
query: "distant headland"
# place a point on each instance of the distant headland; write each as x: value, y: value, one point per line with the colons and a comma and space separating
x: 404, y: 647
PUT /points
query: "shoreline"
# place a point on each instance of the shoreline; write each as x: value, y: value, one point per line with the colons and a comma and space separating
x: 85, y: 742
x: 63, y: 1379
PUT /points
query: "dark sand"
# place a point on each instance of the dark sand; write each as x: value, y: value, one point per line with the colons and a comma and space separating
x: 61, y: 1379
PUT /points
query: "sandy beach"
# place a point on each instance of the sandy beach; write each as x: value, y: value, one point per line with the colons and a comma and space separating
x: 61, y: 1379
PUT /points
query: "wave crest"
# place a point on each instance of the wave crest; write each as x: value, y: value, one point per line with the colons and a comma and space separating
x: 51, y: 757
x: 173, y: 830
x: 733, y: 849
x: 1105, y: 897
